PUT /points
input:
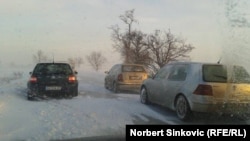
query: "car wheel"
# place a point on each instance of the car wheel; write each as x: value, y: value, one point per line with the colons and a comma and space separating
x: 182, y: 108
x: 75, y: 93
x: 115, y: 87
x: 30, y: 97
x: 105, y: 84
x: 144, y: 96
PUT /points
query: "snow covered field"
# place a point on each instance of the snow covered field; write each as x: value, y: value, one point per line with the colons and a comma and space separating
x: 95, y: 112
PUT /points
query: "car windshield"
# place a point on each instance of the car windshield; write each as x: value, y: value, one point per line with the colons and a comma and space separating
x: 132, y: 68
x: 63, y: 47
x: 47, y: 69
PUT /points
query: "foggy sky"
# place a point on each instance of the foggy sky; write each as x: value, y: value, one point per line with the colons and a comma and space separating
x: 72, y: 28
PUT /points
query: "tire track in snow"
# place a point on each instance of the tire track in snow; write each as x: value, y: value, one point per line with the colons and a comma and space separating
x: 64, y: 120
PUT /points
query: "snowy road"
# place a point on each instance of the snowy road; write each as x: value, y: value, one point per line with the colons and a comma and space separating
x: 95, y: 112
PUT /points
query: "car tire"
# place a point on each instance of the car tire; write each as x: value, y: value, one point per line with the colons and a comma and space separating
x: 182, y: 108
x: 75, y: 93
x: 30, y: 98
x: 115, y: 87
x: 105, y: 84
x: 144, y: 96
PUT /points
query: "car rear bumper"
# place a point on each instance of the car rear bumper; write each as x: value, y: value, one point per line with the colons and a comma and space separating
x: 40, y: 91
x: 240, y: 107
x: 129, y: 86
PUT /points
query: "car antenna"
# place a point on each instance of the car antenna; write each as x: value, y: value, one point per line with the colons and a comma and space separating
x: 53, y: 58
x: 219, y: 61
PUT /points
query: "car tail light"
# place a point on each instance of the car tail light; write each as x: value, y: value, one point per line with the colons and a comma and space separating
x: 72, y: 79
x: 33, y: 79
x: 204, y: 90
x: 120, y: 78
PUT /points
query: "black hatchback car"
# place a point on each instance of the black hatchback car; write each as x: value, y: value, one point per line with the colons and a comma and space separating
x: 52, y: 80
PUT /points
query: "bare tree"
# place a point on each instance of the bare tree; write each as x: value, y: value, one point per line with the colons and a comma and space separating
x: 139, y: 52
x: 122, y: 41
x: 72, y: 62
x: 165, y: 47
x: 40, y: 57
x: 75, y: 62
x: 96, y: 60
x: 79, y: 61
x: 153, y: 51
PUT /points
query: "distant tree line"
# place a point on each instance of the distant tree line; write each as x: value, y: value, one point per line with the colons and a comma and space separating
x: 95, y: 59
x: 152, y: 50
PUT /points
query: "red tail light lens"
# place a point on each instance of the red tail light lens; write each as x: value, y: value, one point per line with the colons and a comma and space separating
x: 120, y: 78
x: 204, y: 90
x: 33, y: 79
x: 72, y: 79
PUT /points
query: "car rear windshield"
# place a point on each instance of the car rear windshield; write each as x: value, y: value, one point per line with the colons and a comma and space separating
x: 214, y: 73
x: 52, y: 69
x: 221, y: 73
x: 132, y: 68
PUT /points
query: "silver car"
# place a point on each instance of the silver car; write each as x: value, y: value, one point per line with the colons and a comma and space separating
x: 188, y: 87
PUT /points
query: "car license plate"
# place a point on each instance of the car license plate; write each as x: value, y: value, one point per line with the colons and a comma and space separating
x: 134, y: 78
x: 53, y: 88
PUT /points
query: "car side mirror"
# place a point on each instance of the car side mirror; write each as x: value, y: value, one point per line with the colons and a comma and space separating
x: 75, y: 72
x: 107, y: 72
x: 150, y: 76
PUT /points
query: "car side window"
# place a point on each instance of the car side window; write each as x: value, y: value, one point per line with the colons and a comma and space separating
x: 178, y: 73
x: 113, y: 69
x: 163, y: 72
x: 110, y: 71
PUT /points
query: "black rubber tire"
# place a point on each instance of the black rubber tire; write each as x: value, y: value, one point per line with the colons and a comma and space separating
x: 182, y: 108
x: 144, y: 96
x: 115, y: 87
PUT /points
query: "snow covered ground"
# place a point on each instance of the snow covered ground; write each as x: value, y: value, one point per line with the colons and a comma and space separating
x: 95, y: 112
